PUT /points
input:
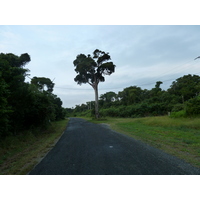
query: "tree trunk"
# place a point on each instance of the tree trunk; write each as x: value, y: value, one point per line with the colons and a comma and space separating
x: 96, y: 101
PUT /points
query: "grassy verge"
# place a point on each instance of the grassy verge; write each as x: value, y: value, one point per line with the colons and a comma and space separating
x: 179, y: 137
x: 19, y: 154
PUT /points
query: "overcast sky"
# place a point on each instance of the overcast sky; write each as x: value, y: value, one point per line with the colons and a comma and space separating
x: 142, y: 55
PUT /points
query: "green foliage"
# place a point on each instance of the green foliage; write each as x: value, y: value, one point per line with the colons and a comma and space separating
x: 12, y: 85
x: 131, y: 95
x: 23, y: 105
x: 185, y: 87
x: 137, y: 110
x: 41, y: 82
x: 181, y: 99
x: 60, y: 112
x: 178, y: 114
x: 91, y: 69
x: 177, y: 107
x: 4, y: 107
x: 193, y: 107
x: 108, y: 98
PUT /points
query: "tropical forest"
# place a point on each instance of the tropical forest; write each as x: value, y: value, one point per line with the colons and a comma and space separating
x: 182, y: 99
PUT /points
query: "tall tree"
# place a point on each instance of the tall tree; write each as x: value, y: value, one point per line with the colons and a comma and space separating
x: 13, y: 75
x: 91, y: 70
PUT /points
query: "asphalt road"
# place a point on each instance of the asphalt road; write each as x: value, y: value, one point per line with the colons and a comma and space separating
x: 94, y: 149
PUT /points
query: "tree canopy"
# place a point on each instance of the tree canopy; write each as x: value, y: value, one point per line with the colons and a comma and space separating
x: 91, y: 69
x: 25, y: 105
x: 185, y: 87
x: 41, y: 82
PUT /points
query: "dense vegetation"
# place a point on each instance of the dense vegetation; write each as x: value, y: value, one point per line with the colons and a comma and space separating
x: 25, y: 105
x: 182, y: 99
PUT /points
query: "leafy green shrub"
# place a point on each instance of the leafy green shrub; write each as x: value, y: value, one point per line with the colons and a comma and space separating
x: 178, y: 114
x: 193, y: 107
x: 137, y: 110
x: 177, y: 107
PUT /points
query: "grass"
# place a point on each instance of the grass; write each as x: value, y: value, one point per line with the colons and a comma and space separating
x: 19, y: 154
x: 179, y: 137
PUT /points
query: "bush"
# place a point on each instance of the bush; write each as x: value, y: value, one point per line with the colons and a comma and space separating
x: 177, y: 107
x: 138, y: 110
x: 193, y: 107
x: 178, y: 114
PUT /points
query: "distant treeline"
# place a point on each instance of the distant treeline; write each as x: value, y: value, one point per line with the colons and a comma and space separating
x: 182, y: 99
x: 25, y: 105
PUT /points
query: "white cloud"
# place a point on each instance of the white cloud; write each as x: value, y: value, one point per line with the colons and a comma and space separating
x: 142, y: 54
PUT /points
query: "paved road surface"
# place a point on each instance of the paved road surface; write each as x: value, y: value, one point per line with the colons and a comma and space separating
x: 86, y: 148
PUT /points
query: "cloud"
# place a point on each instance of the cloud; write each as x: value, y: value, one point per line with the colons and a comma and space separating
x: 142, y: 54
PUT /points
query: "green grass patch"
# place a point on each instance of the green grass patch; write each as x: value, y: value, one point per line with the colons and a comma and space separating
x: 179, y: 137
x: 19, y: 154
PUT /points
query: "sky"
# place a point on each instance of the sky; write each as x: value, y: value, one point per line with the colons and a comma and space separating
x: 143, y: 54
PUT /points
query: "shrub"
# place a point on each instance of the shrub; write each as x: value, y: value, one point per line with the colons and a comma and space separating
x: 193, y: 107
x: 177, y: 107
x: 178, y: 114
